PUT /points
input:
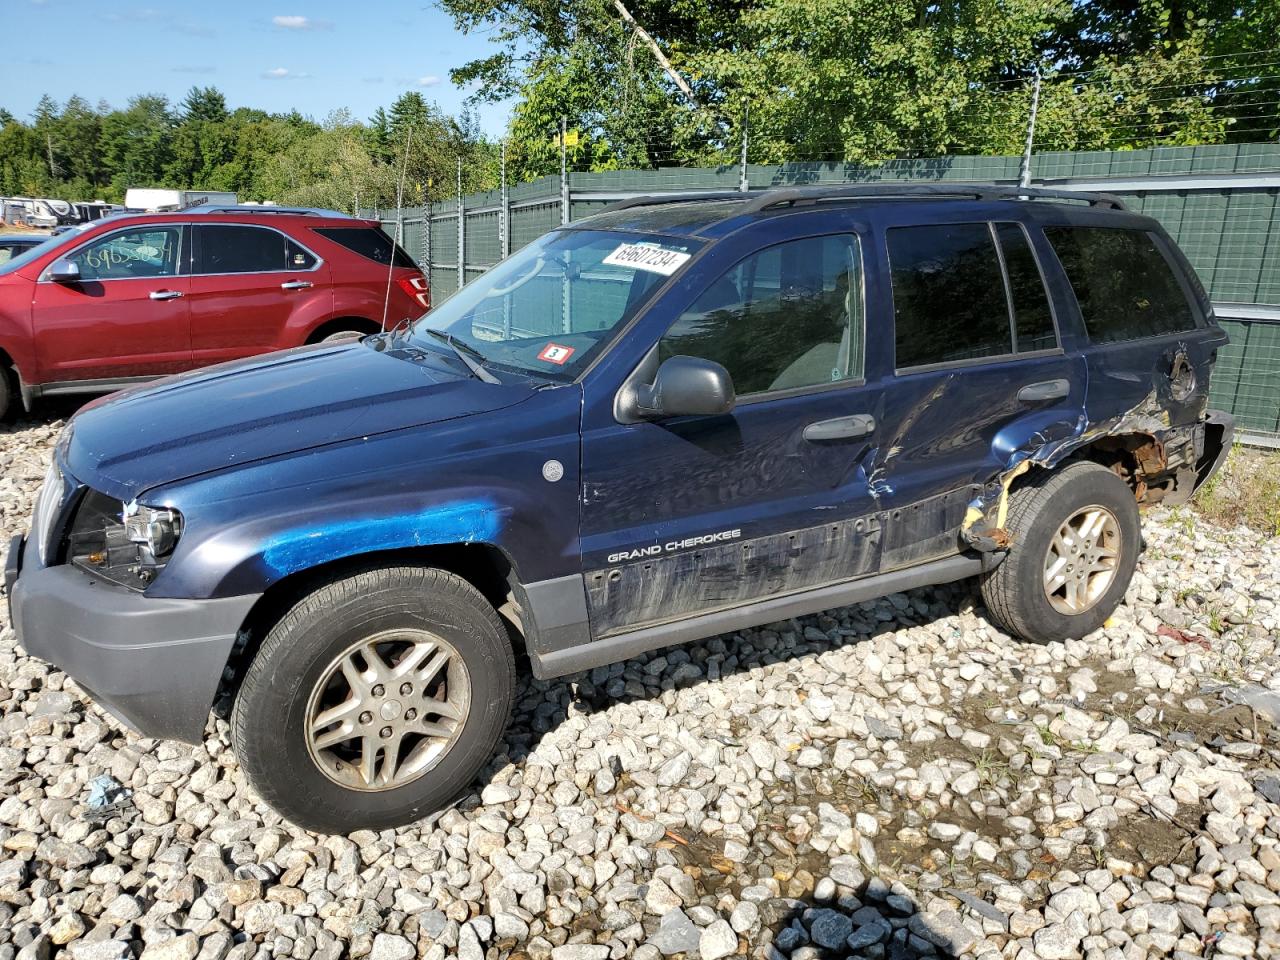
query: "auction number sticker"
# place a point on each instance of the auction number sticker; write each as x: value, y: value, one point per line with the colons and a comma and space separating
x: 556, y: 353
x: 646, y: 256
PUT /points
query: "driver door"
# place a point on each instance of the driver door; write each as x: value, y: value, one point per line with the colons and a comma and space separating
x: 127, y: 315
x: 688, y: 515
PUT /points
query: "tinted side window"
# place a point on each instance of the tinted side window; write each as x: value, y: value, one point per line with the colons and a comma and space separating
x: 948, y: 294
x: 788, y: 316
x: 144, y: 252
x: 368, y: 242
x: 1033, y: 318
x: 296, y: 257
x: 1124, y: 285
x: 240, y: 249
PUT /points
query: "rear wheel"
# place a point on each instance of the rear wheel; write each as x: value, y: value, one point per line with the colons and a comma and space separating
x: 1076, y: 534
x: 376, y: 700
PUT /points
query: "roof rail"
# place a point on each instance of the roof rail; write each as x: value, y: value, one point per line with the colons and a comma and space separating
x: 779, y: 196
x: 653, y: 199
x: 266, y: 208
x: 923, y: 191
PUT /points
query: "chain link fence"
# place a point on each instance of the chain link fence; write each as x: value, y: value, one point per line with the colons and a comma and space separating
x: 1221, y: 203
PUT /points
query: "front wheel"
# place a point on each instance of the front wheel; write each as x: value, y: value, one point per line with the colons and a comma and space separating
x: 9, y: 401
x: 1076, y: 534
x: 375, y: 700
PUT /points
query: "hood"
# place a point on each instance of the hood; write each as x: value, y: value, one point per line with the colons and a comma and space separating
x: 249, y: 410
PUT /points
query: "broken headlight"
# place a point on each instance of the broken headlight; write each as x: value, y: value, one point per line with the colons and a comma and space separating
x: 128, y: 545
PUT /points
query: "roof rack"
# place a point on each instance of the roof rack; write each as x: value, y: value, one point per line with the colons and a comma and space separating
x: 929, y: 191
x: 653, y: 199
x: 265, y: 208
x: 780, y: 196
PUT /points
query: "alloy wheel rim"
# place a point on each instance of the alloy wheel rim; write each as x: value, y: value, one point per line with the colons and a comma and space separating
x: 1081, y: 562
x: 387, y: 709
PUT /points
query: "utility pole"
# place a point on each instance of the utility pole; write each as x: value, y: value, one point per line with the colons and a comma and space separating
x: 743, y: 184
x: 504, y: 210
x: 462, y: 233
x: 426, y: 230
x: 504, y: 232
x: 564, y: 170
x: 1024, y: 172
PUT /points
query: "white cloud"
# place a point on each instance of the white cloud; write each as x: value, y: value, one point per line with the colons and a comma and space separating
x: 430, y: 80
x: 284, y: 73
x: 296, y: 22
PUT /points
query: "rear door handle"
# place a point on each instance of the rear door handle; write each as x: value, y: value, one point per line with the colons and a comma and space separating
x: 165, y: 294
x: 296, y: 285
x: 1044, y: 390
x: 841, y: 428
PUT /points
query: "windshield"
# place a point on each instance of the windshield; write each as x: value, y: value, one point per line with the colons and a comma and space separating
x: 554, y: 305
x: 22, y: 259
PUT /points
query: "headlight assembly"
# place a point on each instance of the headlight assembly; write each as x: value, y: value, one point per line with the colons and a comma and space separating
x: 127, y: 544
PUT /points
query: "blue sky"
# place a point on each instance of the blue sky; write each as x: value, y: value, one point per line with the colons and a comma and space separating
x: 315, y: 55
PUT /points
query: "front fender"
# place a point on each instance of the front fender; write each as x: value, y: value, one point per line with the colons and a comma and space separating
x: 474, y: 480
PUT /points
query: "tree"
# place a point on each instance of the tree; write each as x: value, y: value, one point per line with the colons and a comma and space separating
x: 205, y: 104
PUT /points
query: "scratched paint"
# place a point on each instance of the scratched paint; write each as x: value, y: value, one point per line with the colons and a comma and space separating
x: 465, y: 521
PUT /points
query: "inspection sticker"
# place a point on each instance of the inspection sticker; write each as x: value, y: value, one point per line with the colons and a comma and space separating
x: 555, y: 353
x: 645, y: 256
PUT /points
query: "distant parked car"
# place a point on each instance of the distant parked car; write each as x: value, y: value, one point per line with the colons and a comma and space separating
x: 131, y: 298
x: 12, y: 244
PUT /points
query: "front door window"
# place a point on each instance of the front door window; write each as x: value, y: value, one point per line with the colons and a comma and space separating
x: 142, y: 253
x: 787, y: 317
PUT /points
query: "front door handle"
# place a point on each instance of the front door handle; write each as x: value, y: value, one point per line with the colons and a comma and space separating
x: 296, y: 285
x: 1044, y: 390
x: 841, y: 428
x: 165, y: 294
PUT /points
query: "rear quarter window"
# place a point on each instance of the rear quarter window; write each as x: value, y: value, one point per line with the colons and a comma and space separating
x: 370, y: 243
x: 1124, y: 284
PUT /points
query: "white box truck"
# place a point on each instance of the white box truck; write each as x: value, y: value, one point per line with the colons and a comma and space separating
x: 155, y: 200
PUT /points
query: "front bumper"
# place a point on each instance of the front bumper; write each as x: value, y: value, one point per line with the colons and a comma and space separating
x: 155, y: 663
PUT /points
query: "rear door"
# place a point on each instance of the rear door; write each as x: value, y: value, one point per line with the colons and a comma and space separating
x: 980, y: 375
x: 249, y: 285
x: 126, y: 317
x: 1150, y: 347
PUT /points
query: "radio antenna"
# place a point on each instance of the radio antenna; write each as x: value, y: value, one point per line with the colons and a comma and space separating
x: 391, y: 258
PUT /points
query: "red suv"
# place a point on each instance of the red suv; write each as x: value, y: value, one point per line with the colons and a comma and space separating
x: 132, y: 298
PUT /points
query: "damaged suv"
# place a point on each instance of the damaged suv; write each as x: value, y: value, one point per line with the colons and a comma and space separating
x: 681, y: 417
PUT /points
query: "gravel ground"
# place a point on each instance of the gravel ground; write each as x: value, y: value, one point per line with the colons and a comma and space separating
x: 896, y: 778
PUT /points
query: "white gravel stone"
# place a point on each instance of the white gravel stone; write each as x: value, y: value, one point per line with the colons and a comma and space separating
x: 1039, y: 795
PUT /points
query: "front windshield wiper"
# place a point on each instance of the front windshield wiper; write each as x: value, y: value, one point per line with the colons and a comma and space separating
x: 466, y: 353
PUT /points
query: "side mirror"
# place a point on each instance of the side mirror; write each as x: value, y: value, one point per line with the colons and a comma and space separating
x: 64, y: 271
x: 686, y: 387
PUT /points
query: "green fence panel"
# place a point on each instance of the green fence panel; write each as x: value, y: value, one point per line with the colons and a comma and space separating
x: 1246, y: 379
x: 1231, y: 235
x: 532, y: 221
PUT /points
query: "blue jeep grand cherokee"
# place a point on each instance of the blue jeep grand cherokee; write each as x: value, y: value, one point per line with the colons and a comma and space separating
x: 675, y: 419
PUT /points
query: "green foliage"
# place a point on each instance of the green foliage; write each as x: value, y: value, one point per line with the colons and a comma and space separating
x: 870, y: 80
x: 813, y: 80
x: 75, y: 151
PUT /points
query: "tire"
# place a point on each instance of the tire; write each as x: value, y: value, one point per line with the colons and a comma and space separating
x: 1016, y: 593
x: 293, y: 679
x: 9, y: 402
